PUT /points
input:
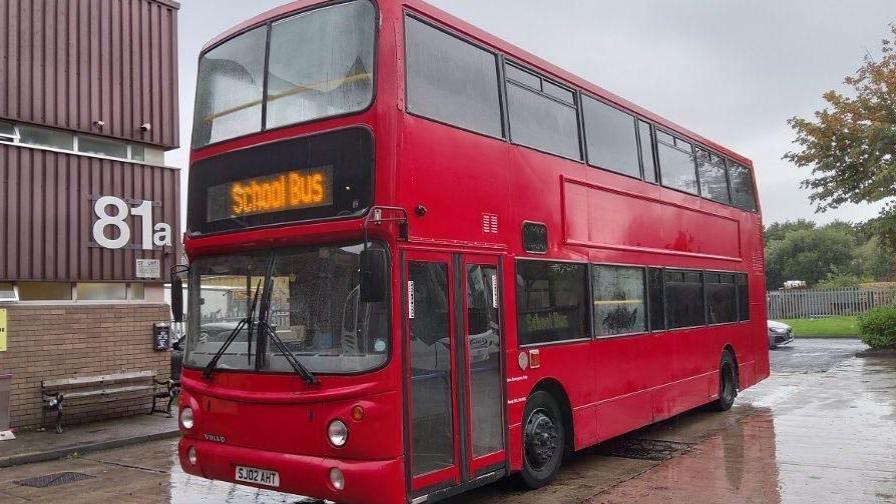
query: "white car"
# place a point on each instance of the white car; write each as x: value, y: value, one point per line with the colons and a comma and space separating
x: 779, y: 334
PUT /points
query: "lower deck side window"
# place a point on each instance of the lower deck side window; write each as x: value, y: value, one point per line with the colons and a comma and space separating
x: 684, y: 299
x: 619, y: 306
x: 550, y: 301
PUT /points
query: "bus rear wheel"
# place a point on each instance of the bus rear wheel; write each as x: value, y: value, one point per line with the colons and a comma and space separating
x: 727, y: 383
x: 544, y: 441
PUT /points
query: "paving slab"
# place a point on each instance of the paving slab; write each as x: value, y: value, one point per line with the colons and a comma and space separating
x: 37, y: 446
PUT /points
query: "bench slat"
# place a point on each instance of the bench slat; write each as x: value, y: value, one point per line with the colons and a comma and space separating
x: 103, y: 392
x: 84, y: 380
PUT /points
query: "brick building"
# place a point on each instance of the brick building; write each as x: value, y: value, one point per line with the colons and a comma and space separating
x: 89, y: 213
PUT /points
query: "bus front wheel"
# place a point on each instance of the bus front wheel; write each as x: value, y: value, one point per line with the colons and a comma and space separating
x: 544, y: 441
x: 727, y: 383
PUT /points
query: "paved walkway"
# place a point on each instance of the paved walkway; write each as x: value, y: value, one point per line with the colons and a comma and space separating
x: 33, y: 446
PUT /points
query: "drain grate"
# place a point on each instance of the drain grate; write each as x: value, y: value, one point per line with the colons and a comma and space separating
x: 645, y: 449
x: 50, y: 480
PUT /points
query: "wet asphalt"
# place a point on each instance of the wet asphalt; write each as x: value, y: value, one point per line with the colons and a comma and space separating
x: 821, y: 429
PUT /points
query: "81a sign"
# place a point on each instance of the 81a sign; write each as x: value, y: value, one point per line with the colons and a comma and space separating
x: 112, y: 213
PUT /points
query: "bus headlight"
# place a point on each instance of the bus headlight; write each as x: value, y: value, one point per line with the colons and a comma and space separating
x: 186, y: 418
x: 192, y: 458
x: 337, y: 432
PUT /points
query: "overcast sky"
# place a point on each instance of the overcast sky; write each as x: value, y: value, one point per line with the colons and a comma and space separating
x: 731, y: 70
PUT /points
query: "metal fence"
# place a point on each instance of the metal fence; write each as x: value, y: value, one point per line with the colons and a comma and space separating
x: 785, y: 304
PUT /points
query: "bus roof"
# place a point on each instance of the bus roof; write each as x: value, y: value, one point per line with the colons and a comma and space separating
x: 499, y: 45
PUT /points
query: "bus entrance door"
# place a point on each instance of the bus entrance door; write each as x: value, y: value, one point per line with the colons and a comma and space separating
x: 453, y: 342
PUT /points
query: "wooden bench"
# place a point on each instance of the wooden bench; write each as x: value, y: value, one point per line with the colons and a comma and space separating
x: 56, y: 392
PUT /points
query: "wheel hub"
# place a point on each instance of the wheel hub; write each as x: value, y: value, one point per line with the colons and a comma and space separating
x: 541, y: 439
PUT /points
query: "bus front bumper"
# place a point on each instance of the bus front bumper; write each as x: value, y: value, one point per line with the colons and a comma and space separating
x: 366, y: 482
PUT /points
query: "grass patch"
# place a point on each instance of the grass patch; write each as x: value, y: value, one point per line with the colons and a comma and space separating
x: 827, y: 327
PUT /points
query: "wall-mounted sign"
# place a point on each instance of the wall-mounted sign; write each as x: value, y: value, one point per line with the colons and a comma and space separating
x: 148, y: 268
x: 279, y: 192
x: 152, y: 236
x: 2, y: 329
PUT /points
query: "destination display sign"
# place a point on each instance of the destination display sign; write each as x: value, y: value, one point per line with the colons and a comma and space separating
x: 291, y: 190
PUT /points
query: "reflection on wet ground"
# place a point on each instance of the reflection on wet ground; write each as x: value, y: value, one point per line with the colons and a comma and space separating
x: 821, y: 429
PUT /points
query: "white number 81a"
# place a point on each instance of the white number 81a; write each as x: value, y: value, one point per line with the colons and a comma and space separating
x: 159, y: 238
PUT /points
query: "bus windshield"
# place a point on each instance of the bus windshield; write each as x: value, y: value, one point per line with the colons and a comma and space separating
x: 315, y: 310
x: 319, y: 64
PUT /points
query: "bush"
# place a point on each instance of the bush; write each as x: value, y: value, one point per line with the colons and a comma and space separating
x: 878, y: 327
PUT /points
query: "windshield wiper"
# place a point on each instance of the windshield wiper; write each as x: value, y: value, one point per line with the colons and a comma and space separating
x: 263, y: 313
x: 247, y: 320
x: 300, y: 368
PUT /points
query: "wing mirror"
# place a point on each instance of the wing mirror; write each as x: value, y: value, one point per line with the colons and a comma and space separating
x: 373, y: 276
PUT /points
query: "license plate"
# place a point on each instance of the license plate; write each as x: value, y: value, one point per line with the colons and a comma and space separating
x: 258, y: 476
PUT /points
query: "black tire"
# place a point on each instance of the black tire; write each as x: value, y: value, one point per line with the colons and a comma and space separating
x: 727, y: 383
x: 544, y: 441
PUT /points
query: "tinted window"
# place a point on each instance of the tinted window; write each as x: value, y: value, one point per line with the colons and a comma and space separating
x: 542, y: 123
x: 451, y: 81
x: 684, y: 299
x: 611, y: 138
x: 647, y: 159
x: 743, y: 297
x: 742, y: 187
x: 721, y: 298
x: 94, y: 145
x: 535, y: 237
x: 551, y: 301
x: 230, y: 88
x: 619, y: 306
x: 321, y: 64
x: 44, y: 137
x: 655, y: 299
x: 523, y: 77
x: 713, y: 176
x: 677, y: 164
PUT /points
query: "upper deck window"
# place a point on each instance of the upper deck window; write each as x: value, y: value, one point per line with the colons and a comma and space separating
x: 611, y: 138
x: 713, y: 176
x: 320, y: 64
x: 677, y: 163
x: 334, y: 78
x: 742, y: 187
x: 542, y: 114
x: 451, y: 81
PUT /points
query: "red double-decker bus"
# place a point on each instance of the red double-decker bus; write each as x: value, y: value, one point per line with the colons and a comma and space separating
x: 423, y: 259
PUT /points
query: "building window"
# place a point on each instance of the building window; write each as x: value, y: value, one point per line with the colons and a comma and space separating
x: 611, y: 138
x: 619, y: 306
x: 8, y: 132
x: 137, y: 292
x: 721, y: 298
x: 45, y: 291
x: 451, y: 81
x: 102, y: 146
x: 45, y: 137
x: 541, y: 116
x: 8, y: 291
x: 38, y: 136
x: 684, y: 299
x: 550, y: 301
x: 677, y: 163
x: 88, y: 291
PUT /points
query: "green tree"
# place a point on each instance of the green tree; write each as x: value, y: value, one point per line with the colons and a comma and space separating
x: 850, y: 145
x: 811, y: 255
x: 778, y: 230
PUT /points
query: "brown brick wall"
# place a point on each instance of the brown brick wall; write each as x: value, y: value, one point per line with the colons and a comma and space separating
x: 69, y: 340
